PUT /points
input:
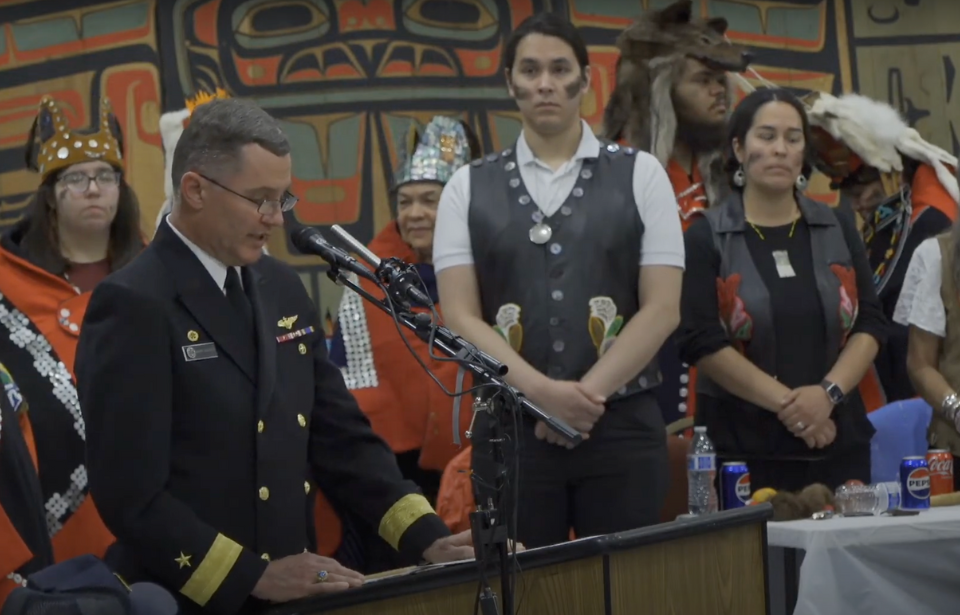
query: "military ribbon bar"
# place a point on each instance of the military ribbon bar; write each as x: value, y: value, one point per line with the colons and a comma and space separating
x: 286, y: 337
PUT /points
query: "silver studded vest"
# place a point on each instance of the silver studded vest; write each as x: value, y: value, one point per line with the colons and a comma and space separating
x: 561, y: 304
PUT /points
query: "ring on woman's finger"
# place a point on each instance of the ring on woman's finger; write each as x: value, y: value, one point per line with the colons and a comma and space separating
x: 322, y: 576
x: 800, y: 426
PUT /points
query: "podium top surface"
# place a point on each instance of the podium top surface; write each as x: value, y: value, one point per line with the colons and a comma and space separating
x: 426, y: 578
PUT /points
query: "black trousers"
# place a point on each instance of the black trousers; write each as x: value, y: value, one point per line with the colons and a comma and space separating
x: 793, y: 475
x: 615, y: 481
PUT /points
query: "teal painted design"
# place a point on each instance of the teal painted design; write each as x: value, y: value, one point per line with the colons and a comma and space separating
x: 307, y: 30
x: 614, y: 8
x: 506, y: 128
x: 116, y: 19
x: 455, y: 30
x: 46, y: 33
x: 305, y: 147
x: 382, y: 94
x: 398, y: 126
x: 344, y: 149
x: 793, y: 22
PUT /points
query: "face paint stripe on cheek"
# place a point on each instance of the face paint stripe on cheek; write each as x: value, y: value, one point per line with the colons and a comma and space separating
x: 522, y: 93
x: 752, y: 159
x: 572, y: 89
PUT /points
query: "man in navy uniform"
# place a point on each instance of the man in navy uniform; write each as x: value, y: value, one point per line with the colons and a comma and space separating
x: 211, y: 408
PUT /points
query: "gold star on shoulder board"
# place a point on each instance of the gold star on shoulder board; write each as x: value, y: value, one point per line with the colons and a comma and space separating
x: 183, y: 560
x: 287, y: 322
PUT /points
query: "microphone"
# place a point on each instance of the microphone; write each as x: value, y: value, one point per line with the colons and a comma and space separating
x: 398, y: 276
x: 309, y: 241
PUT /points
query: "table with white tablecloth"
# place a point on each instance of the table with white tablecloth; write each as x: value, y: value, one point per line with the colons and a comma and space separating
x: 882, y: 565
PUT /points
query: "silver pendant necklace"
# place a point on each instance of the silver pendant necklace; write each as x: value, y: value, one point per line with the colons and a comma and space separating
x: 540, y: 233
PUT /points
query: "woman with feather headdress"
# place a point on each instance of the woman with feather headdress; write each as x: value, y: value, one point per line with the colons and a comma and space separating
x: 903, y: 188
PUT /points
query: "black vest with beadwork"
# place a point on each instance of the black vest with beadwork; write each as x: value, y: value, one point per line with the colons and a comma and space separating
x: 562, y: 303
x: 745, y: 309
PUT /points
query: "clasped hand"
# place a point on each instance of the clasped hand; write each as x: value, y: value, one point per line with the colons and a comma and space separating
x: 573, y: 404
x: 805, y: 411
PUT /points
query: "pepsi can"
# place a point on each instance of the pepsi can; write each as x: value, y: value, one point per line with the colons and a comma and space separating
x: 734, y: 485
x: 914, y: 483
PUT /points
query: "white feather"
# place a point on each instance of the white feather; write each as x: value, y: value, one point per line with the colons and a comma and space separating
x: 171, y: 127
x: 877, y: 133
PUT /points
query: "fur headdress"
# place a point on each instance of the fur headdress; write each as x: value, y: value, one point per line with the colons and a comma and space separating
x: 854, y: 131
x: 652, y: 54
x: 436, y: 152
x: 54, y: 145
x: 171, y: 127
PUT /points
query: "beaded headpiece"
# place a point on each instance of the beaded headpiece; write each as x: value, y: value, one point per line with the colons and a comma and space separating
x: 445, y: 145
x: 55, y: 145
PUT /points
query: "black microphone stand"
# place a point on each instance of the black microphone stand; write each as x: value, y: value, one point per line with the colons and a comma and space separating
x: 491, y: 528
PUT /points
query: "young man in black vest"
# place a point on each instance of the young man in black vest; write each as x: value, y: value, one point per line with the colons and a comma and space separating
x: 563, y: 256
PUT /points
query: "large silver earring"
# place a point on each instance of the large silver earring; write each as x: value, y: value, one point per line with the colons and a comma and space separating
x: 739, y: 179
x: 801, y: 183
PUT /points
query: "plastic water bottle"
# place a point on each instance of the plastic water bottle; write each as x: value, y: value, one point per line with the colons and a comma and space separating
x: 872, y: 499
x: 701, y: 472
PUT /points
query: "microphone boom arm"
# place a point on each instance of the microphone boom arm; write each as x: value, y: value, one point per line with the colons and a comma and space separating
x: 486, y: 368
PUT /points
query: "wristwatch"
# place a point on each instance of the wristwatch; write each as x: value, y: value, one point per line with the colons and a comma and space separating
x: 834, y: 392
x: 950, y: 405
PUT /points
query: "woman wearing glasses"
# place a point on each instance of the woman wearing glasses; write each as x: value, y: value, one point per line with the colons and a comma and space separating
x: 82, y: 223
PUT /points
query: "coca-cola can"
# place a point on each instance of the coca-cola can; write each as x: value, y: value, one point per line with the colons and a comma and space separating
x: 940, y: 463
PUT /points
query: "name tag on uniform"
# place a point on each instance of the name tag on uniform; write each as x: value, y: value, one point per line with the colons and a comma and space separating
x: 200, y: 352
x: 784, y: 268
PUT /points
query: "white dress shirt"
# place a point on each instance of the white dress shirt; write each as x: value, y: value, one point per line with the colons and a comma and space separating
x: 217, y: 270
x: 662, y: 236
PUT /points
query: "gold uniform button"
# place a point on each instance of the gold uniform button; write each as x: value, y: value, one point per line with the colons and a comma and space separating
x: 265, y: 557
x: 306, y: 487
x: 264, y: 493
x: 302, y: 420
x: 259, y: 426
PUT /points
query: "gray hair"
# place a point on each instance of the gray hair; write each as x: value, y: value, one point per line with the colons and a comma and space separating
x: 218, y: 130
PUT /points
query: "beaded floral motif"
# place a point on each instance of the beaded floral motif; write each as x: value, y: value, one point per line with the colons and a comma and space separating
x: 849, y: 299
x: 733, y: 314
x: 509, y: 325
x: 604, y: 324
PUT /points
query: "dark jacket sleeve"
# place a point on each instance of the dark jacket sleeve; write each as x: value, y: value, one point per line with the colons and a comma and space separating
x: 870, y: 317
x: 23, y: 528
x: 700, y: 333
x: 355, y: 467
x: 124, y: 381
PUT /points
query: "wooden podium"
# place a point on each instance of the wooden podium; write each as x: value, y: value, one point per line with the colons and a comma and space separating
x: 709, y: 565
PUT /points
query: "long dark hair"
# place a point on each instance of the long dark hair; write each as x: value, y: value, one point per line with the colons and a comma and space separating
x: 741, y: 121
x: 41, y: 239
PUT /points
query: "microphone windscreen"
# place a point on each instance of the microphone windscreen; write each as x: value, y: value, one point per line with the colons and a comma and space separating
x: 151, y: 599
x: 300, y: 238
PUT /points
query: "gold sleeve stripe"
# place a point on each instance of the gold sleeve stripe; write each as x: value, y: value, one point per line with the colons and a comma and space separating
x: 401, y: 516
x: 211, y: 572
